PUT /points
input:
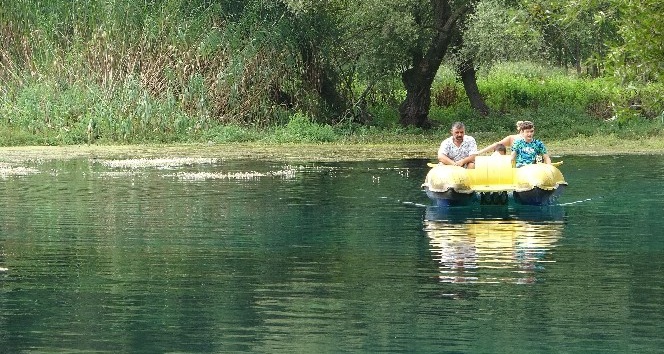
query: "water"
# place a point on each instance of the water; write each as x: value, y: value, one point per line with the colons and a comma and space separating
x: 218, y: 256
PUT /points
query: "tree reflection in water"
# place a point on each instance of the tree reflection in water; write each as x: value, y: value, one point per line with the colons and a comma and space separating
x: 498, y: 245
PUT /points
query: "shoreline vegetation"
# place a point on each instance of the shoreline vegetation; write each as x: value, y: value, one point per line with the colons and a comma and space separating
x: 308, y: 152
x: 286, y: 80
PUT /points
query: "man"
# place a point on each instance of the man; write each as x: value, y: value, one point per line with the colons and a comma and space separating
x: 459, y: 149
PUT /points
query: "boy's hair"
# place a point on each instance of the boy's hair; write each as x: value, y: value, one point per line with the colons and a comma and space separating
x: 500, y: 148
x: 524, y: 124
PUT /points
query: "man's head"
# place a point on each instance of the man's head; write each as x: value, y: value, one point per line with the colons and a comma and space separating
x: 458, y: 131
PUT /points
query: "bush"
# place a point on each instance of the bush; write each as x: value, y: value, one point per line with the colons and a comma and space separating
x: 446, y: 91
x: 230, y: 134
x: 301, y: 129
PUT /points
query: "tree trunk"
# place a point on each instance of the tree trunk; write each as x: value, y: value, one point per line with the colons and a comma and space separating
x: 577, y: 57
x: 468, y: 76
x: 417, y: 80
x: 415, y: 108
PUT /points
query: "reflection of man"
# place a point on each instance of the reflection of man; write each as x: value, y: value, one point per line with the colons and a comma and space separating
x: 458, y: 259
x: 459, y: 149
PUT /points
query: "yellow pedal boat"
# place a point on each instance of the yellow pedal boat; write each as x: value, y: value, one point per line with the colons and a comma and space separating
x: 494, y: 180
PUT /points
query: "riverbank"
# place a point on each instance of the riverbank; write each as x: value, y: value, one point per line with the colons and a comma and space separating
x: 311, y: 152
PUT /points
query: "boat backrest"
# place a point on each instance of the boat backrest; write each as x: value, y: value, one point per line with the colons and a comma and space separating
x: 492, y: 170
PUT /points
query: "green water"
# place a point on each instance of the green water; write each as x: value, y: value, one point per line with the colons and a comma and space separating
x: 216, y: 256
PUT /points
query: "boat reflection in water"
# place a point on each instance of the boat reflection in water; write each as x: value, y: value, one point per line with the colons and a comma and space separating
x: 492, y: 245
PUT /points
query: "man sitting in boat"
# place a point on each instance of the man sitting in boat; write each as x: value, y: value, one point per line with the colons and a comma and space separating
x: 526, y: 150
x: 459, y: 149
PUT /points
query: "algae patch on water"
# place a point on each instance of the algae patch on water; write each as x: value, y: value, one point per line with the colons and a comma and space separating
x: 287, y: 173
x: 130, y: 167
x: 161, y: 163
x: 7, y: 170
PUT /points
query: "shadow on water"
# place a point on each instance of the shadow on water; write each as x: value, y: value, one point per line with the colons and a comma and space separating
x: 492, y: 244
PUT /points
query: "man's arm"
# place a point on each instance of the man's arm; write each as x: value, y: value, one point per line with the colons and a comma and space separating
x: 442, y: 154
x: 472, y: 152
x: 545, y: 155
x: 466, y: 160
x: 442, y: 158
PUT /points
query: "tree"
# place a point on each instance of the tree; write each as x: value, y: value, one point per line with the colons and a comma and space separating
x: 442, y: 19
x: 576, y: 33
x: 493, y: 32
x: 639, y: 55
x: 466, y: 71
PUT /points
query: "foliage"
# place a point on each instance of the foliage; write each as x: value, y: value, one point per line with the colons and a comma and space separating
x: 175, y: 49
x: 301, y: 129
x: 446, y: 91
x: 187, y: 71
x: 517, y: 88
x: 230, y: 134
x: 378, y: 35
x: 496, y: 32
x: 78, y: 114
x: 639, y: 56
x: 576, y: 33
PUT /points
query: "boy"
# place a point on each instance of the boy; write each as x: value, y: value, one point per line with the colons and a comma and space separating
x: 525, y: 151
x: 499, y: 150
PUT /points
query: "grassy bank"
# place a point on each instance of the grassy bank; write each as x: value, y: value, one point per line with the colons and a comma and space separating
x: 423, y: 148
x: 554, y: 123
x: 47, y: 111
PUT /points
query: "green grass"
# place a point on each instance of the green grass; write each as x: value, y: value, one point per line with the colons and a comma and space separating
x: 47, y: 112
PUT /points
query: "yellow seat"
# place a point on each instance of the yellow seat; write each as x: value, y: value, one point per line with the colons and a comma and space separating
x: 492, y: 174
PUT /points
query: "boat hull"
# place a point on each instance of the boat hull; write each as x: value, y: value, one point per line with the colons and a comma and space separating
x: 494, y: 181
x: 451, y: 197
x: 538, y: 196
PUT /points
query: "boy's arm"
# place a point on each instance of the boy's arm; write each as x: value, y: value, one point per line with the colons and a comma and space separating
x: 505, y: 141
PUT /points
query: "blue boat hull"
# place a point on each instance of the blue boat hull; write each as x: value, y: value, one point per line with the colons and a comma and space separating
x: 535, y: 196
x: 451, y: 198
x: 538, y: 196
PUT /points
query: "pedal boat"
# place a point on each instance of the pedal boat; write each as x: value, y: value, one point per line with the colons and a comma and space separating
x: 494, y: 180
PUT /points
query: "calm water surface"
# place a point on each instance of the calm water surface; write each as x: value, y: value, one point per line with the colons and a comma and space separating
x: 216, y: 256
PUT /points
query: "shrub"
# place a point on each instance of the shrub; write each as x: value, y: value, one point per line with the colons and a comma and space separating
x: 446, y: 91
x: 301, y: 129
x: 230, y: 134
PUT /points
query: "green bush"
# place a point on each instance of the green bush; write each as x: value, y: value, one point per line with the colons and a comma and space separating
x: 230, y: 134
x: 446, y: 91
x: 383, y: 116
x: 301, y: 129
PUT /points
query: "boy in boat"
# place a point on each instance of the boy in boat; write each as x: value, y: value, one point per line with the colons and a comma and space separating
x: 499, y: 150
x: 459, y: 149
x: 525, y: 151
